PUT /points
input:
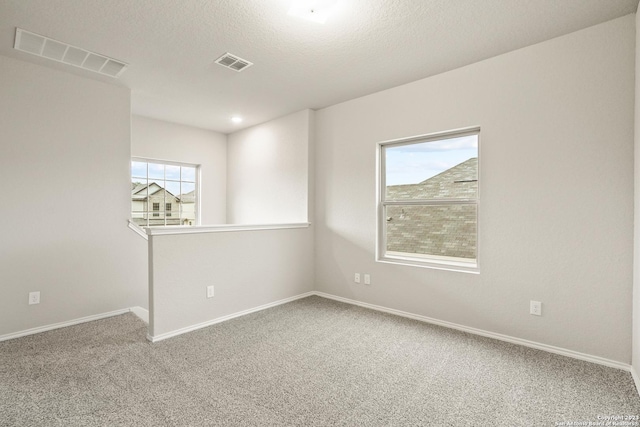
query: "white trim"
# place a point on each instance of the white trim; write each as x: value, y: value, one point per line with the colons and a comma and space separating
x: 430, y: 261
x: 416, y: 260
x: 435, y: 136
x: 142, y: 313
x: 63, y: 324
x: 181, y: 331
x: 635, y: 377
x: 548, y: 348
x: 138, y: 230
x: 222, y: 228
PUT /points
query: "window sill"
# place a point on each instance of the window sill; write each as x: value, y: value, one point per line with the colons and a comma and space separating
x: 439, y: 263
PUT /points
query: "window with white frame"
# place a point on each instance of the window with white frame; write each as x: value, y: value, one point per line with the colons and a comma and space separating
x: 171, y: 185
x: 428, y: 200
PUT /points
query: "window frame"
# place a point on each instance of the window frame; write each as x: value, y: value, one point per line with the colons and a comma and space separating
x: 197, y: 188
x: 420, y: 260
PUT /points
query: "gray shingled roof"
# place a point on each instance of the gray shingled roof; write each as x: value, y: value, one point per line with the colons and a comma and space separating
x: 442, y: 230
x: 137, y: 194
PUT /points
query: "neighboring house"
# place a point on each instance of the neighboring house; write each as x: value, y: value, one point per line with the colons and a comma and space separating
x: 443, y: 230
x: 153, y: 203
x: 188, y: 205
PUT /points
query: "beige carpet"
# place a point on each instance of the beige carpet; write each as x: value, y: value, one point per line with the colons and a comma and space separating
x: 312, y: 362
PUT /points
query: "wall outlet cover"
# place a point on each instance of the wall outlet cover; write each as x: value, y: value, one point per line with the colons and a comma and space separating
x: 34, y: 297
x: 535, y: 308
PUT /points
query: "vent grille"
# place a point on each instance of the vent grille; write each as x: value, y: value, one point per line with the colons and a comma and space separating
x: 233, y: 62
x: 45, y: 47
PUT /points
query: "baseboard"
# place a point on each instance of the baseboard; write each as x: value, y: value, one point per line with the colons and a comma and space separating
x: 181, y: 331
x: 142, y: 313
x: 501, y: 337
x: 636, y: 379
x: 62, y: 324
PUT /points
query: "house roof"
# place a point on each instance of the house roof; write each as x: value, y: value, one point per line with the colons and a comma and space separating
x: 442, y: 230
x: 460, y: 181
x: 138, y: 190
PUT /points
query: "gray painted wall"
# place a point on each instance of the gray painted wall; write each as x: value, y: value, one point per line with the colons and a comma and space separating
x: 268, y: 171
x: 247, y: 269
x: 556, y: 192
x: 65, y: 139
x: 636, y: 252
x: 157, y: 139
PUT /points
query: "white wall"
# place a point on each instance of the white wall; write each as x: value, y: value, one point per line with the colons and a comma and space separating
x: 268, y: 171
x: 556, y: 208
x: 636, y: 251
x: 65, y: 162
x: 160, y: 140
x: 247, y: 269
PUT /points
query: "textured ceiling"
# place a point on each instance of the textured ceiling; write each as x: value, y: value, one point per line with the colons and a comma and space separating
x: 364, y: 47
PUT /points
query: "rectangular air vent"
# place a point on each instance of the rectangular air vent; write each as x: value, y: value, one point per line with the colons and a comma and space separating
x: 45, y: 47
x: 233, y: 62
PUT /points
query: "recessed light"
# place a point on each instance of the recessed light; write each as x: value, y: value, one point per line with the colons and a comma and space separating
x: 312, y: 10
x: 236, y: 119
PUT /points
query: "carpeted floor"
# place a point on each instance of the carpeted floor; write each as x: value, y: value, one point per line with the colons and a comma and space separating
x: 312, y: 362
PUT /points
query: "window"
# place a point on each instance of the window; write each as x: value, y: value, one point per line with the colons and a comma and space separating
x: 428, y: 200
x: 169, y: 184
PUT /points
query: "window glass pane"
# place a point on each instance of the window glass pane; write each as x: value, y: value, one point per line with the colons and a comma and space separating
x: 155, y: 189
x: 172, y: 172
x: 173, y: 189
x: 442, y: 169
x: 156, y: 171
x: 188, y: 174
x: 138, y: 200
x: 447, y: 231
x: 188, y: 203
x: 139, y: 169
x: 163, y: 197
x: 188, y: 190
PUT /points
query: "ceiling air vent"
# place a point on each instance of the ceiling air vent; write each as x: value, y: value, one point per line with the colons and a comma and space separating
x: 62, y: 52
x: 231, y: 61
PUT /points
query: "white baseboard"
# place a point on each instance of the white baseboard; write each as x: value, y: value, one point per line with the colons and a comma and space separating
x: 501, y: 337
x: 181, y: 331
x: 62, y: 324
x: 636, y: 379
x: 142, y: 313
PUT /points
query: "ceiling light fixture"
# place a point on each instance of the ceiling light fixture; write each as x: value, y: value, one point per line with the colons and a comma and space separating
x: 236, y: 119
x: 312, y: 10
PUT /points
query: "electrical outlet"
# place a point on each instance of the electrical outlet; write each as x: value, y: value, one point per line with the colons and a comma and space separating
x: 535, y: 308
x: 367, y: 279
x: 34, y: 297
x: 356, y: 278
x: 210, y: 292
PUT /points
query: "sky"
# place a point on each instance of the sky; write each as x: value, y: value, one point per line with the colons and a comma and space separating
x: 411, y: 164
